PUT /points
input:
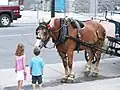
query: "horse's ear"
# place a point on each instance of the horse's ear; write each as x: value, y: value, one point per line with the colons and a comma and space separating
x: 39, y: 21
x: 48, y: 22
x: 43, y: 20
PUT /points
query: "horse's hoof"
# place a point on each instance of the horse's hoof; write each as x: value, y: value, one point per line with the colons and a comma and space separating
x: 95, y: 74
x: 86, y: 73
x: 87, y: 70
x: 70, y: 81
x: 70, y: 78
x: 64, y: 80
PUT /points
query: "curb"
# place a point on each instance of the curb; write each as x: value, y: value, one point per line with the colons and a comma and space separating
x: 35, y: 23
x: 53, y: 73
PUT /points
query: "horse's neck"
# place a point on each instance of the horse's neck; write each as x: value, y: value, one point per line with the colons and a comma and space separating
x: 56, y: 32
x: 72, y: 31
x: 54, y: 35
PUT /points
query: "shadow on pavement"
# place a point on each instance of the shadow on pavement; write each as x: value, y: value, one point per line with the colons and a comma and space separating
x: 57, y: 82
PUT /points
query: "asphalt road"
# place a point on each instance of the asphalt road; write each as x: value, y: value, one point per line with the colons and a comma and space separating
x: 25, y: 33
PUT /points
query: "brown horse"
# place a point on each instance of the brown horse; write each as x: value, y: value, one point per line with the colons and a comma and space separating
x: 66, y: 37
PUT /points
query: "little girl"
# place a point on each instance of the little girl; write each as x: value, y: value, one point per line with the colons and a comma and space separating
x: 20, y: 64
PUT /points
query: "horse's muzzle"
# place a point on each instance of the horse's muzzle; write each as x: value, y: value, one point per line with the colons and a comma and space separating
x: 38, y: 38
x: 37, y: 42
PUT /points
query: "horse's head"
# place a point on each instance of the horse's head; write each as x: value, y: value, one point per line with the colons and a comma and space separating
x: 42, y: 34
x: 45, y: 30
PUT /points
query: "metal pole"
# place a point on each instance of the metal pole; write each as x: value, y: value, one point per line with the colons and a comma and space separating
x: 65, y: 9
x: 93, y: 7
x: 96, y: 8
x: 37, y: 9
x: 53, y: 8
x: 37, y: 13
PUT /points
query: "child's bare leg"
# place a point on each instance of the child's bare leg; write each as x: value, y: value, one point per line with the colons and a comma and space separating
x: 39, y: 82
x: 20, y: 85
x: 40, y: 86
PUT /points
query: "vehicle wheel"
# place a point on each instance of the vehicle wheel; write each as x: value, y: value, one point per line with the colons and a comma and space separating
x: 5, y: 20
x: 87, y: 57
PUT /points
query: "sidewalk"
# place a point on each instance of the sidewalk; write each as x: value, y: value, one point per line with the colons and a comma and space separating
x: 33, y: 17
x: 108, y: 79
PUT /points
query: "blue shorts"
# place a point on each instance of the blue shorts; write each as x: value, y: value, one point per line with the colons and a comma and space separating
x: 37, y: 79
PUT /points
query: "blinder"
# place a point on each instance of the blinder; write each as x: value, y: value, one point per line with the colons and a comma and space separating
x: 41, y: 26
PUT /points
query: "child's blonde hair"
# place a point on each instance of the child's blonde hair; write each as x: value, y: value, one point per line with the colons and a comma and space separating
x: 20, y: 50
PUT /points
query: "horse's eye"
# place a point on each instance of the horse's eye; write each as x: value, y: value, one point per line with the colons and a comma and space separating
x: 45, y: 33
x: 42, y: 28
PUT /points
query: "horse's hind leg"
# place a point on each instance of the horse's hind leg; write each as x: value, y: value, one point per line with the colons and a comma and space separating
x: 96, y: 70
x: 98, y: 53
x: 89, y: 64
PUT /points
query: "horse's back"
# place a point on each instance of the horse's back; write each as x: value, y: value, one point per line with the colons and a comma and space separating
x: 92, y: 31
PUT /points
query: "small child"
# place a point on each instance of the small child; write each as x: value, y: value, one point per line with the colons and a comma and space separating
x: 20, y: 64
x: 36, y: 68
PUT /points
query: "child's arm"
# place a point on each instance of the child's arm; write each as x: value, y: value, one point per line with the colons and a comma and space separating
x: 24, y: 62
x: 30, y: 66
x: 42, y: 63
x: 30, y: 71
x: 15, y: 65
x: 42, y: 66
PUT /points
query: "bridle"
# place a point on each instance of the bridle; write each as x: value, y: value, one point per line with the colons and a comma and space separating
x: 41, y: 27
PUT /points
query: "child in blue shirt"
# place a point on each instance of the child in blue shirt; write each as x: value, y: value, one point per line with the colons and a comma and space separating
x: 36, y: 68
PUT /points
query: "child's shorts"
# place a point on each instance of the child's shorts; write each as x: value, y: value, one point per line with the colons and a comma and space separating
x: 37, y: 79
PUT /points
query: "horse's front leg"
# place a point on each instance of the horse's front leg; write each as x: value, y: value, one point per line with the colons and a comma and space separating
x: 89, y: 63
x: 70, y: 65
x: 65, y: 64
x: 96, y: 69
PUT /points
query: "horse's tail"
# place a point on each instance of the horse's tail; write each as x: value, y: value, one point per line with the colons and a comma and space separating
x: 105, y: 44
x: 102, y: 37
x: 101, y: 33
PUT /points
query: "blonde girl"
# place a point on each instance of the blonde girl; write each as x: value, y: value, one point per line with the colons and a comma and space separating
x: 20, y: 65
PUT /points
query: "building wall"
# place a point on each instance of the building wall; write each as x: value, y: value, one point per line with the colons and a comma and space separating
x: 69, y: 6
x: 3, y: 2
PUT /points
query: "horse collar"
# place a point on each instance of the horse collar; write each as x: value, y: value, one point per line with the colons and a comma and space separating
x: 63, y: 31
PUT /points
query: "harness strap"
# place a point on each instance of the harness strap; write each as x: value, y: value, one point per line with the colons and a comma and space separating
x: 78, y: 28
x: 77, y: 24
